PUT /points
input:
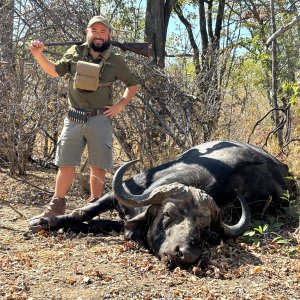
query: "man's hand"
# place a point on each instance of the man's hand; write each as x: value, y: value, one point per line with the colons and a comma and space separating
x: 36, y: 48
x: 129, y: 93
x: 113, y: 110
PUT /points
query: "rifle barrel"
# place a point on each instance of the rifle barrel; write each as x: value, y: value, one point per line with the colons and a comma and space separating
x: 63, y: 43
x: 139, y: 48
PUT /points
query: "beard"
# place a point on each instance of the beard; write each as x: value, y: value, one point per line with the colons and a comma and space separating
x: 101, y: 48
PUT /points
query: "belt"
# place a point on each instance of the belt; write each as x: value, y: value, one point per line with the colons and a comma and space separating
x: 95, y: 112
x: 81, y: 116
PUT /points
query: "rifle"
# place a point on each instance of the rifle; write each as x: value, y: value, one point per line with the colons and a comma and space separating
x: 140, y: 48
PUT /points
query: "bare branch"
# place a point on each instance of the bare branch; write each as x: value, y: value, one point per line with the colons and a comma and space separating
x: 281, y: 30
x: 278, y: 127
x: 14, y: 209
x: 286, y: 145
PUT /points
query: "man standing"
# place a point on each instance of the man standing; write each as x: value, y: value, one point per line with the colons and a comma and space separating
x: 90, y: 108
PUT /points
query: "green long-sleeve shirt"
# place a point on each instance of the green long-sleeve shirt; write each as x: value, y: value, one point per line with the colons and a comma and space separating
x: 115, y: 68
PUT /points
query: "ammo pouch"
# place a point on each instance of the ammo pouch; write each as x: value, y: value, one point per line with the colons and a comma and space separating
x: 87, y: 76
x: 81, y: 116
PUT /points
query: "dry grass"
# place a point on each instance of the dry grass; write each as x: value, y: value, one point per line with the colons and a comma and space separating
x: 71, y: 266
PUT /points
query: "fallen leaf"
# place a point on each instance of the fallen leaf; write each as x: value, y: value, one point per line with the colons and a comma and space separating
x: 196, y: 270
x: 71, y: 280
x: 255, y: 270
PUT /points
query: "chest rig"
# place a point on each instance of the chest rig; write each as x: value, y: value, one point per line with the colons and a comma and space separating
x: 88, y: 75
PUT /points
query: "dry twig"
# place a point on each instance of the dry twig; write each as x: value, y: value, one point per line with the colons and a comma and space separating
x: 14, y: 209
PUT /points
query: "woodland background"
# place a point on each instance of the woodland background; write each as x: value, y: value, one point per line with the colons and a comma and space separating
x: 214, y: 74
x: 211, y: 76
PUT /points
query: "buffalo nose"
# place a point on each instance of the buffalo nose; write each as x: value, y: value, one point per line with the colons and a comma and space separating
x: 180, y: 255
x: 185, y: 255
x: 179, y: 251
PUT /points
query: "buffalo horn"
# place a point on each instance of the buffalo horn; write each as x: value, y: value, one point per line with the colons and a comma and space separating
x: 154, y: 196
x: 244, y: 222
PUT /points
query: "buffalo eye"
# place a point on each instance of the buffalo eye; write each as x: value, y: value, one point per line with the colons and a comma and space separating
x: 193, y: 242
x: 166, y: 221
x: 179, y: 252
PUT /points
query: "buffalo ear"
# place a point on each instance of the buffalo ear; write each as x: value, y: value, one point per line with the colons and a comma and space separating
x: 137, y: 228
x: 212, y: 237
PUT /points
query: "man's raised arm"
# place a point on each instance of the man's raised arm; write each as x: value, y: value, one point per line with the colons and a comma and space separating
x: 36, y: 49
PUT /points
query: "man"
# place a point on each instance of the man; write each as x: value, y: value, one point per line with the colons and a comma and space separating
x: 90, y: 111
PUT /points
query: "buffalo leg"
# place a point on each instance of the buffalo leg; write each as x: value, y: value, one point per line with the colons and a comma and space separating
x: 77, y: 216
x: 97, y: 226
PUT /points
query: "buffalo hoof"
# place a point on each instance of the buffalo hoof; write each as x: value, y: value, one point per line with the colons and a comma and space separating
x: 38, y: 224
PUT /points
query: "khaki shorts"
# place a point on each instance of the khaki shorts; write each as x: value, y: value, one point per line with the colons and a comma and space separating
x: 96, y: 133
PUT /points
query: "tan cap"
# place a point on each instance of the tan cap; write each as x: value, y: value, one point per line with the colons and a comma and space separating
x: 99, y: 19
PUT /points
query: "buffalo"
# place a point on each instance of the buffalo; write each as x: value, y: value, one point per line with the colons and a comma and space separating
x: 173, y: 207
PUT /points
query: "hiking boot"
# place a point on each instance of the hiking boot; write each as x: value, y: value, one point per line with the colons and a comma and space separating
x: 93, y: 199
x: 56, y: 207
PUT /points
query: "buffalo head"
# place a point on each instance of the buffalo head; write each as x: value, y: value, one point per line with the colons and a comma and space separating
x: 175, y: 219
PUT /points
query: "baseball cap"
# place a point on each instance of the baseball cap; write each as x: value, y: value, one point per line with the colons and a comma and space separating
x: 99, y: 19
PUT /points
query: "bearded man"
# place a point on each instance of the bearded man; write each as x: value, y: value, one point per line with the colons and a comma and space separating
x: 93, y: 68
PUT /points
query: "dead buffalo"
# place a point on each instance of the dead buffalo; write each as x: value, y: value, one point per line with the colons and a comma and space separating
x: 171, y: 207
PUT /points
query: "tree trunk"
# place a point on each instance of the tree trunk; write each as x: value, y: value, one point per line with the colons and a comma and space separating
x: 188, y: 26
x: 6, y: 29
x: 209, y: 78
x: 208, y: 70
x: 156, y: 25
x: 279, y: 132
x: 6, y: 58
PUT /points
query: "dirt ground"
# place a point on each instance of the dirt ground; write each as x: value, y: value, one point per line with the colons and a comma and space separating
x: 62, y: 265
